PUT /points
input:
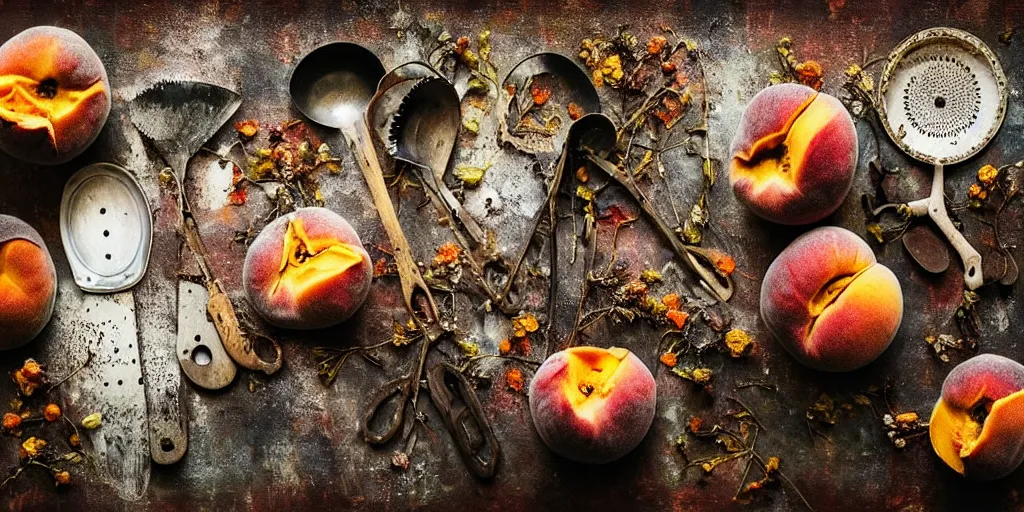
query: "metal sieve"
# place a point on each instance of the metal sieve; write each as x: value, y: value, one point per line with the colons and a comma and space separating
x: 942, y: 98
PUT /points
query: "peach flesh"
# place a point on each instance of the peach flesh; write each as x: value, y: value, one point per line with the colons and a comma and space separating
x: 829, y: 303
x: 28, y: 283
x: 977, y: 426
x: 794, y: 155
x: 54, y: 95
x: 307, y: 270
x: 593, y: 405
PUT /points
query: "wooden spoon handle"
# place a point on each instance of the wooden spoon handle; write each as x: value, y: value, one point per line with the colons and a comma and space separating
x: 358, y: 137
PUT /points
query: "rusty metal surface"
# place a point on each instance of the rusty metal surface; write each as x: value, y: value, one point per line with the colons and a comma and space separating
x: 293, y: 443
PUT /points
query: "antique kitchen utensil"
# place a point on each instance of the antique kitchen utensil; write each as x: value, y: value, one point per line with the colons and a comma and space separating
x: 333, y: 86
x: 699, y: 260
x: 178, y: 118
x: 391, y: 90
x: 942, y: 98
x: 106, y: 229
x: 423, y: 133
x: 455, y: 400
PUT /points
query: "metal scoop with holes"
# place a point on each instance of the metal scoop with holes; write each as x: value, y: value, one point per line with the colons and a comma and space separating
x: 423, y: 133
x: 942, y: 98
x: 106, y: 228
x: 333, y: 86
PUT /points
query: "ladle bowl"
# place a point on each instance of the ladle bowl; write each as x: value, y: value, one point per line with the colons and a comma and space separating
x: 333, y: 84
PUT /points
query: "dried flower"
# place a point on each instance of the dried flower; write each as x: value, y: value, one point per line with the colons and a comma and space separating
x: 11, y: 421
x: 447, y: 254
x: 678, y: 318
x: 669, y: 359
x: 400, y: 460
x: 468, y: 348
x: 575, y: 111
x: 671, y: 301
x: 540, y: 94
x: 92, y: 421
x: 62, y: 478
x: 650, y: 276
x: 581, y: 174
x: 247, y: 129
x: 505, y: 346
x: 668, y: 67
x: 976, y: 192
x: 524, y: 324
x: 29, y: 377
x: 656, y: 45
x: 987, y: 174
x: 738, y: 342
x: 514, y: 380
x: 75, y: 440
x: 31, y: 447
x: 51, y: 412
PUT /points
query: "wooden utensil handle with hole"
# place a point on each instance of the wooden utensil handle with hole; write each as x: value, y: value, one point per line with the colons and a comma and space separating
x: 937, y: 211
x: 409, y: 274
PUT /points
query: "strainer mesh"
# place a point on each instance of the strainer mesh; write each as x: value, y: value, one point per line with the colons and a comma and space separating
x: 942, y: 98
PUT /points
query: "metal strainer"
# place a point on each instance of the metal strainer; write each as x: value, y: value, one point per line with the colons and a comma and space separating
x: 942, y: 99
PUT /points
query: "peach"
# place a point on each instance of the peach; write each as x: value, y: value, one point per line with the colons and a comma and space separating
x: 28, y: 283
x: 54, y: 95
x: 591, y: 404
x: 829, y: 303
x: 307, y: 270
x: 977, y: 426
x: 794, y: 156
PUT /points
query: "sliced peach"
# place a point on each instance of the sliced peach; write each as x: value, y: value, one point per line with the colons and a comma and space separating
x: 794, y: 155
x: 307, y: 270
x: 28, y: 283
x: 977, y: 426
x: 592, y: 404
x: 829, y: 302
x: 54, y: 95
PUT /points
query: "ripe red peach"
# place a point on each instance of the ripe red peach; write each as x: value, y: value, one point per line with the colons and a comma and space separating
x: 829, y: 302
x: 977, y: 426
x: 28, y: 283
x: 794, y: 156
x: 54, y: 95
x: 307, y: 270
x: 591, y: 404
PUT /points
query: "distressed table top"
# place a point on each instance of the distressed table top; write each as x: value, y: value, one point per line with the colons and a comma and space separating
x: 292, y: 442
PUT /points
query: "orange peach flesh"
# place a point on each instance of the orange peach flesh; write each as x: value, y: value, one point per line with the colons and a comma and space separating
x: 776, y: 159
x: 14, y: 276
x: 592, y: 376
x: 306, y: 262
x: 38, y: 104
x: 959, y: 435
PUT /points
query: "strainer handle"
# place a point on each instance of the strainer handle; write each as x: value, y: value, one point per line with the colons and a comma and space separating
x: 937, y: 211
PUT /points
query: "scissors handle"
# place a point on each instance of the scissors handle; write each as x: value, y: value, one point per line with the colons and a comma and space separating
x: 460, y: 409
x: 399, y: 388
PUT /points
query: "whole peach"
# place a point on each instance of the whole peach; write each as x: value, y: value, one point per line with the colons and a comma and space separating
x: 28, y: 283
x: 829, y: 303
x: 794, y: 156
x: 54, y: 95
x: 591, y: 404
x: 307, y: 270
x: 977, y: 426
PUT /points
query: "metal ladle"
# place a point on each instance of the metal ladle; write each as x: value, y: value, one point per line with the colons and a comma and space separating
x: 333, y: 85
x: 423, y: 133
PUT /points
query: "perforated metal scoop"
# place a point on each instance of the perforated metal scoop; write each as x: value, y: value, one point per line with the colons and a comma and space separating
x: 942, y: 99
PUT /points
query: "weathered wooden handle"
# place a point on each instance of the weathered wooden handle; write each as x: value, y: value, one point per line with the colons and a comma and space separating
x: 235, y: 342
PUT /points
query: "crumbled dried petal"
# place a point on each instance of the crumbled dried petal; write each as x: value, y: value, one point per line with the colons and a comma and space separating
x: 695, y: 424
x: 575, y: 111
x: 738, y: 342
x: 581, y: 174
x: 471, y: 175
x: 650, y: 276
x: 671, y: 301
x: 468, y: 348
x: 656, y: 45
x: 32, y: 446
x: 668, y: 67
x: 669, y: 359
x: 447, y: 254
x: 514, y: 380
x: 400, y: 460
x: 977, y: 192
x: 678, y: 318
x: 524, y: 324
x: 504, y: 346
x: 29, y: 377
x: 810, y: 74
x: 540, y: 94
x: 75, y: 440
x: 247, y: 129
x: 62, y: 478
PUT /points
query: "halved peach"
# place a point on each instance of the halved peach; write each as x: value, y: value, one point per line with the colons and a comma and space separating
x: 307, y: 270
x: 54, y: 95
x: 794, y: 155
x: 28, y: 283
x: 977, y: 426
x: 829, y: 302
x: 592, y: 404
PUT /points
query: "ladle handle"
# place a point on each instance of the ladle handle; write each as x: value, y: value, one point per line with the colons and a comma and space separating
x: 937, y: 211
x: 358, y: 136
